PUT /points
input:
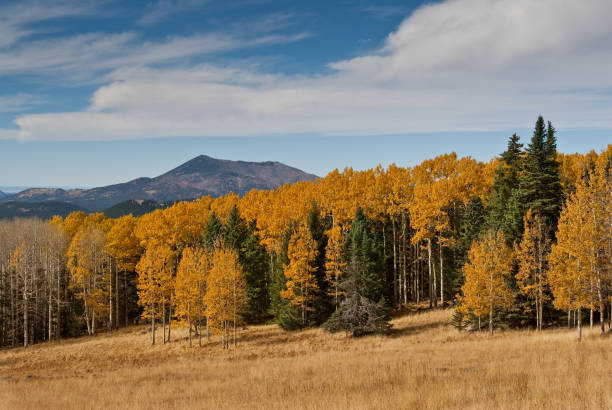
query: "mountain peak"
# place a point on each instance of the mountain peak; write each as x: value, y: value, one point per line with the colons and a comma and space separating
x: 200, y: 176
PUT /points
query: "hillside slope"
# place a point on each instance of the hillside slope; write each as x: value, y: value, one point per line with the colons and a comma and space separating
x: 424, y: 363
x: 135, y: 207
x: 43, y: 210
x: 200, y: 176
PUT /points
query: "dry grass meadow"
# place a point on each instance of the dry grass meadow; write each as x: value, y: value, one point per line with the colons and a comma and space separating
x: 425, y: 363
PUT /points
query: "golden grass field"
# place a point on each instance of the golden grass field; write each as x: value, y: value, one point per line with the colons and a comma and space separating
x: 425, y: 363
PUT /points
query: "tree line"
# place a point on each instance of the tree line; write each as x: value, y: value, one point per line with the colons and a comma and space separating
x: 545, y: 253
x: 522, y: 240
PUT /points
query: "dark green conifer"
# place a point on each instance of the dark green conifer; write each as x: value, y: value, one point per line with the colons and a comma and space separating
x: 506, y: 195
x: 540, y: 182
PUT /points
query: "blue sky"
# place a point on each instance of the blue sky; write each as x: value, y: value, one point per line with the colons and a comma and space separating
x: 98, y: 92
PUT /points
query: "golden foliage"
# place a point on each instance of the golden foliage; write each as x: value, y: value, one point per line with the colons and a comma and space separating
x: 531, y: 254
x: 226, y: 290
x: 486, y: 276
x: 301, y: 282
x: 335, y: 265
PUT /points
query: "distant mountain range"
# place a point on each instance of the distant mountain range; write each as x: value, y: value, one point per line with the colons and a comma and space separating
x: 2, y: 194
x: 200, y: 176
x: 44, y: 210
x: 136, y: 207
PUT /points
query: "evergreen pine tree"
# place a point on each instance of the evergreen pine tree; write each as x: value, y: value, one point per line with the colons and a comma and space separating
x: 540, y: 182
x: 471, y: 225
x: 255, y: 264
x: 323, y: 304
x: 212, y: 232
x: 234, y: 230
x: 505, y: 209
x: 364, y: 256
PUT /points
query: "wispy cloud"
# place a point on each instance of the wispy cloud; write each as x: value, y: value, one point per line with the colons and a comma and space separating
x: 386, y: 12
x: 162, y: 9
x: 19, y: 102
x: 17, y: 19
x: 450, y: 66
x: 87, y: 57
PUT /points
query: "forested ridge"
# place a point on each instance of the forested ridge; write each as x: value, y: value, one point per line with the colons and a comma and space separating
x: 524, y: 240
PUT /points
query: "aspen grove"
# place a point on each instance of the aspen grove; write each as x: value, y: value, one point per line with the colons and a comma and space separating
x: 524, y: 240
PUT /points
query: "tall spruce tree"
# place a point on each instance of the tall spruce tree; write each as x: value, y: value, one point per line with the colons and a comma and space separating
x: 540, y: 182
x: 323, y: 303
x: 471, y: 226
x: 212, y: 232
x: 234, y: 231
x: 505, y: 206
x: 364, y: 256
x: 255, y: 264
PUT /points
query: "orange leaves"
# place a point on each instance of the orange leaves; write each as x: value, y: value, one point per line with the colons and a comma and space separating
x: 276, y: 211
x: 581, y: 257
x: 425, y: 191
x: 531, y: 254
x: 154, y: 277
x: 301, y: 282
x: 89, y: 268
x: 335, y: 266
x: 186, y: 222
x: 123, y: 245
x: 226, y: 290
x: 190, y: 285
x: 223, y: 205
x: 486, y: 274
x: 73, y: 222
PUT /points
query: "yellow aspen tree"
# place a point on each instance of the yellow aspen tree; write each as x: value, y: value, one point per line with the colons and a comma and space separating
x: 570, y: 258
x: 73, y: 222
x: 335, y: 265
x: 301, y: 281
x: 155, y: 231
x: 606, y: 169
x: 486, y: 277
x: 397, y: 195
x: 439, y: 184
x: 225, y: 293
x: 601, y: 221
x: 124, y: 247
x: 89, y: 270
x: 153, y: 272
x: 532, y: 255
x: 190, y: 288
x: 223, y: 205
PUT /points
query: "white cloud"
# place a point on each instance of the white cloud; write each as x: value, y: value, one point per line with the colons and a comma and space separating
x: 455, y: 65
